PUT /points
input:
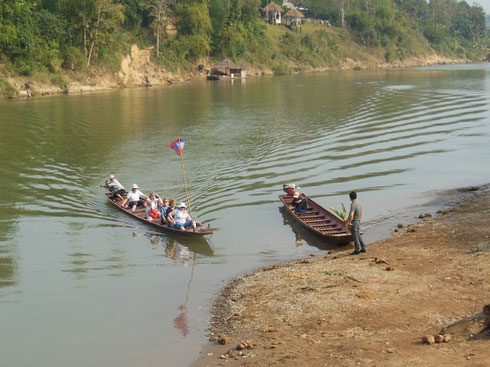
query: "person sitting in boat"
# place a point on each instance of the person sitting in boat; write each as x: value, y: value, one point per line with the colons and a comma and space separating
x: 181, y: 219
x: 289, y: 189
x: 172, y: 207
x: 163, y: 210
x: 134, y: 198
x: 153, y: 205
x: 299, y: 204
x: 117, y: 190
x: 284, y: 187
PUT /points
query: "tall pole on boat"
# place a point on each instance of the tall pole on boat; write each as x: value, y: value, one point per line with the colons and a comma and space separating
x: 178, y: 146
x: 185, y: 183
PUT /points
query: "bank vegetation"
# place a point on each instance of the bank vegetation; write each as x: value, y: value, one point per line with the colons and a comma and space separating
x: 58, y: 41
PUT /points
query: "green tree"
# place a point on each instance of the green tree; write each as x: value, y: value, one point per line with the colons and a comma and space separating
x: 468, y: 22
x: 95, y: 20
x: 104, y: 20
x: 417, y: 9
x: 160, y: 11
x: 194, y: 27
x: 15, y: 28
x: 193, y: 18
x: 363, y: 26
x: 238, y: 27
x: 343, y: 6
x: 136, y: 15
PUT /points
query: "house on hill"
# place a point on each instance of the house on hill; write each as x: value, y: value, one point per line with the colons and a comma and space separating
x: 272, y: 14
x: 293, y: 17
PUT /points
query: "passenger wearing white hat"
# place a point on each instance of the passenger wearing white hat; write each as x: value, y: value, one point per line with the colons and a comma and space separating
x: 299, y: 204
x: 117, y: 190
x: 180, y: 219
x: 134, y: 198
x: 290, y: 189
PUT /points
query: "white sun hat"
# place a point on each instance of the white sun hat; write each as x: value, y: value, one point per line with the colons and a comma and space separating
x: 111, y: 176
x: 182, y: 205
x: 135, y: 186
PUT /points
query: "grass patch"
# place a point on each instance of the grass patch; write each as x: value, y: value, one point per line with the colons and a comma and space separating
x: 7, y: 90
x: 46, y: 77
x: 480, y: 247
x: 280, y: 69
x: 59, y: 79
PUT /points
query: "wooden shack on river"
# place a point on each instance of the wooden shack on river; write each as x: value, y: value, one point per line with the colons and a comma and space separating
x: 227, y: 69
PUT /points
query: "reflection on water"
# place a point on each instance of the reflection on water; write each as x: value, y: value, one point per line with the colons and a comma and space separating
x: 181, y: 322
x: 70, y: 262
x: 176, y: 251
x: 8, y: 248
x: 178, y: 248
x: 7, y: 268
x: 298, y: 239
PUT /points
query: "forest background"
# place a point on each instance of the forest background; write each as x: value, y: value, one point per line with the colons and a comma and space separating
x: 57, y: 39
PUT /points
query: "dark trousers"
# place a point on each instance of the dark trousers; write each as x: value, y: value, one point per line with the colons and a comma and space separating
x: 356, y: 235
x: 121, y: 192
x: 137, y: 203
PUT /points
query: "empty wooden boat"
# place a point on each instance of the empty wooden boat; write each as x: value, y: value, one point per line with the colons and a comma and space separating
x: 320, y: 221
x: 199, y: 231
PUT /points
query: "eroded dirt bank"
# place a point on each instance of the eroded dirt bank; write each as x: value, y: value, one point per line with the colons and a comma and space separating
x: 367, y: 310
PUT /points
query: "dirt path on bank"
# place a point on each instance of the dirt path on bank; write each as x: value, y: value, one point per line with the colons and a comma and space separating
x: 367, y: 310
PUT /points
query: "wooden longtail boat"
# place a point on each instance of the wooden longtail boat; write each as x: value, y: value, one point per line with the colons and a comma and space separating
x: 201, y: 230
x: 213, y: 77
x: 320, y: 221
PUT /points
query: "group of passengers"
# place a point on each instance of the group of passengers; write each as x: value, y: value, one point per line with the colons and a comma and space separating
x: 298, y: 203
x: 167, y: 210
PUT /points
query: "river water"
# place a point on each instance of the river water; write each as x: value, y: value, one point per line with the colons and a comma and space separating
x: 82, y: 284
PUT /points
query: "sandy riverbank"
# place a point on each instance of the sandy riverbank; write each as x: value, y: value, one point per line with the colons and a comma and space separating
x: 137, y: 70
x: 367, y: 310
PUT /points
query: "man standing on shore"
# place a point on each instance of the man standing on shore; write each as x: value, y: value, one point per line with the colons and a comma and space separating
x: 354, y: 221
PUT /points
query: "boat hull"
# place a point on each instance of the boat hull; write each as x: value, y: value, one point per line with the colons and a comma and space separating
x: 319, y: 221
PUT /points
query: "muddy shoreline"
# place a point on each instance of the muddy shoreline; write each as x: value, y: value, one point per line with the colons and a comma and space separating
x: 372, y: 309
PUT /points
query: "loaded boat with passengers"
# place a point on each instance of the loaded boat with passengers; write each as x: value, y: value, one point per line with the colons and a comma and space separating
x: 140, y: 213
x: 176, y: 222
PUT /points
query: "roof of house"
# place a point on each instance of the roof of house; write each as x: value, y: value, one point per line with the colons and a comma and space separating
x: 272, y: 7
x: 294, y: 13
x: 226, y: 63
